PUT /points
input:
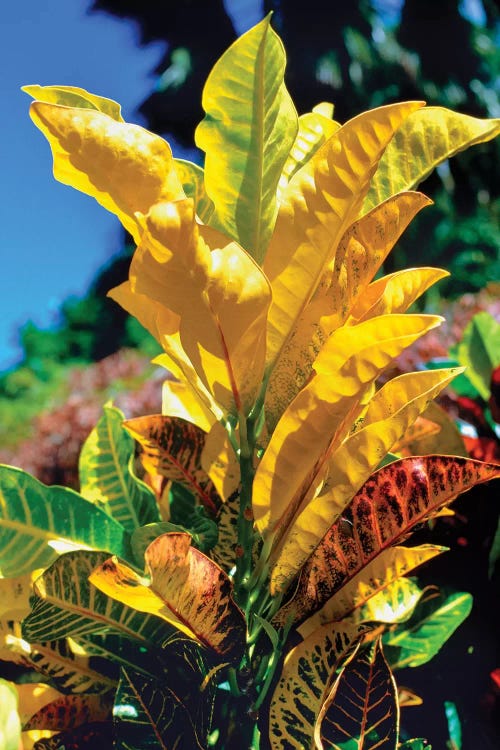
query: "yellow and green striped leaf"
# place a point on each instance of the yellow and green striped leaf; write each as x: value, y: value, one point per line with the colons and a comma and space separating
x: 362, y: 709
x: 172, y: 447
x: 72, y: 96
x: 361, y: 251
x: 389, y: 412
x: 353, y: 598
x: 219, y: 293
x: 123, y: 166
x: 320, y: 203
x: 430, y: 136
x: 67, y: 605
x: 106, y: 474
x: 38, y: 522
x: 247, y: 133
x: 321, y: 415
x: 187, y: 589
x: 68, y: 669
x: 305, y: 680
x: 386, y: 509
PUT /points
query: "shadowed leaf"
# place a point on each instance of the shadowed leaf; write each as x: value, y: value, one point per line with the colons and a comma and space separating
x: 90, y: 736
x: 362, y: 706
x: 67, y: 669
x: 70, y: 711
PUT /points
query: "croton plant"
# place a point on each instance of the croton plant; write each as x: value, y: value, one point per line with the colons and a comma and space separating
x: 240, y: 580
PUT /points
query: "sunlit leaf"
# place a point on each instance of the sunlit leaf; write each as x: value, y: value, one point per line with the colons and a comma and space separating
x: 15, y: 594
x: 447, y: 441
x: 67, y: 669
x: 479, y: 351
x: 70, y: 711
x: 38, y: 522
x: 395, y: 406
x: 106, y: 476
x: 361, y: 251
x: 124, y: 167
x: 68, y: 605
x: 385, y: 510
x: 219, y: 293
x: 220, y: 461
x: 10, y: 725
x: 180, y: 400
x: 193, y: 182
x: 172, y: 447
x: 248, y: 130
x: 305, y: 681
x: 407, y: 698
x: 430, y: 135
x: 378, y: 592
x: 72, y: 96
x: 362, y: 706
x: 320, y: 416
x: 421, y: 428
x: 320, y: 203
x: 187, y: 589
x: 434, y: 621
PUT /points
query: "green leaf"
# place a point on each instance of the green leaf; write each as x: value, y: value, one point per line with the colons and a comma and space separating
x: 38, y: 522
x: 247, y: 133
x: 417, y: 744
x: 361, y: 711
x: 433, y: 622
x: 72, y: 96
x: 193, y: 182
x: 494, y: 555
x: 66, y: 604
x: 454, y: 726
x: 479, y: 351
x: 430, y: 135
x: 10, y: 724
x: 106, y: 473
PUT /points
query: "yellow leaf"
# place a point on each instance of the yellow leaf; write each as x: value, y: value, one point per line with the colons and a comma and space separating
x: 33, y: 697
x: 421, y: 428
x: 218, y: 291
x: 72, y: 96
x: 394, y: 293
x: 322, y: 413
x: 15, y: 595
x: 187, y: 589
x: 124, y: 167
x: 362, y: 250
x: 364, y: 596
x: 350, y: 464
x: 220, y: 462
x: 179, y: 399
x: 447, y: 441
x: 424, y: 140
x: 319, y: 204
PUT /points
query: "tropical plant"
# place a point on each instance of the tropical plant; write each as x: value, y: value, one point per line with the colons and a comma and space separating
x: 251, y: 589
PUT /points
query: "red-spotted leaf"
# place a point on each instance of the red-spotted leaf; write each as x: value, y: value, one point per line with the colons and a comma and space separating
x: 186, y: 589
x: 97, y: 734
x: 172, y: 447
x: 70, y: 711
x: 362, y: 710
x: 384, y: 511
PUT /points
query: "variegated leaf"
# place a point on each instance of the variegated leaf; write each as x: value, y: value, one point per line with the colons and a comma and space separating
x: 320, y: 203
x: 395, y: 406
x: 68, y: 668
x: 70, y: 711
x: 361, y: 707
x: 106, y: 474
x: 354, y: 599
x: 172, y: 447
x: 304, y: 683
x: 385, y: 510
x: 186, y: 589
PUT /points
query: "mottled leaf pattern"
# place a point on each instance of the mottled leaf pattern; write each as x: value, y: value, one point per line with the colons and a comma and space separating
x: 98, y: 734
x: 362, y: 706
x: 306, y: 678
x: 69, y: 671
x: 70, y: 711
x: 388, y: 506
x: 37, y: 522
x: 187, y: 589
x: 106, y: 476
x: 173, y: 447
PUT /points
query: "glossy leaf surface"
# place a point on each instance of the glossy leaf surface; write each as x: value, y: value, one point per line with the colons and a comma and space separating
x: 388, y: 506
x: 306, y: 678
x: 106, y: 476
x: 430, y: 135
x: 123, y: 166
x: 362, y: 709
x: 187, y: 589
x: 434, y: 621
x: 173, y: 447
x: 248, y: 130
x: 320, y: 203
x: 37, y: 522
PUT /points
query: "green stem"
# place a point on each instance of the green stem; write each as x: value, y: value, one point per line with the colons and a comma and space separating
x: 245, y: 516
